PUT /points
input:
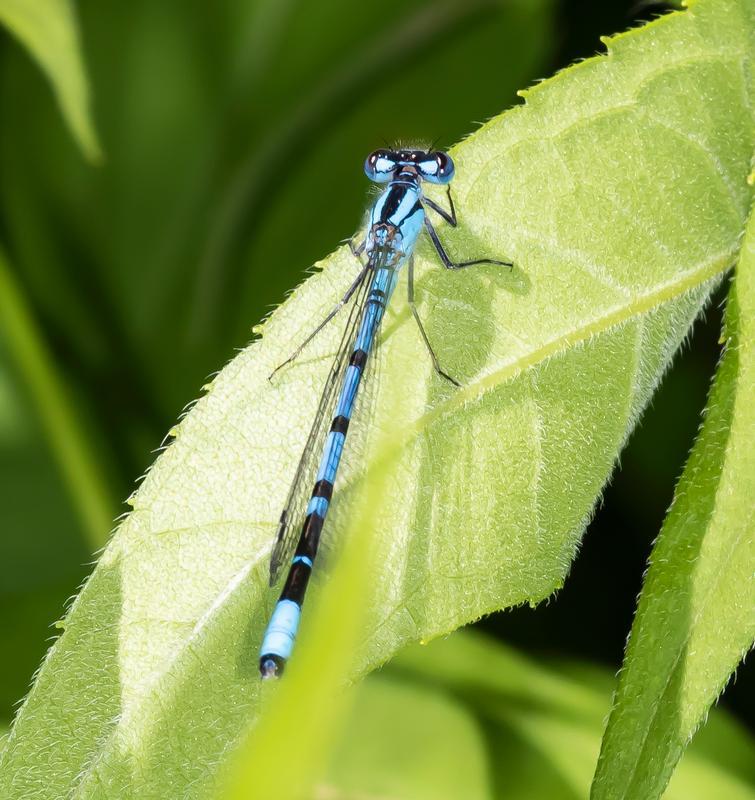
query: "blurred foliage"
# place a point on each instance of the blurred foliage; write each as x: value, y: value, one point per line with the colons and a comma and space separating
x: 540, y: 724
x: 145, y: 272
x: 48, y: 29
x: 468, y: 717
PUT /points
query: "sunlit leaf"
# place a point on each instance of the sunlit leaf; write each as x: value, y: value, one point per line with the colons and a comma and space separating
x: 619, y: 190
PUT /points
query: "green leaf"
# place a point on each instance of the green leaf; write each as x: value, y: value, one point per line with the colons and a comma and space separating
x: 695, y: 618
x: 558, y: 712
x: 474, y: 666
x: 49, y: 31
x: 619, y: 190
x: 573, y: 747
x: 408, y: 743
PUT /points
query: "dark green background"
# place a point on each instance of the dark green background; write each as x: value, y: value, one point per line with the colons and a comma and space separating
x: 234, y: 141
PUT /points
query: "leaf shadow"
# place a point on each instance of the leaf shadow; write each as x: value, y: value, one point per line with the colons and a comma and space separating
x: 472, y: 291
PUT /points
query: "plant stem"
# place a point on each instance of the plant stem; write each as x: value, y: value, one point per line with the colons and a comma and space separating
x: 65, y: 435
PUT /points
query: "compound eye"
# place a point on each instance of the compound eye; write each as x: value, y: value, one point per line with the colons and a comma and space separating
x: 445, y: 165
x: 379, y: 166
x: 437, y: 167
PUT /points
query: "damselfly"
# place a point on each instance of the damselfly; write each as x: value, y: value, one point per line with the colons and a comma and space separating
x: 395, y: 222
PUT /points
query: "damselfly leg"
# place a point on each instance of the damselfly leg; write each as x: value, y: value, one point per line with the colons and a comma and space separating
x: 357, y: 250
x: 450, y: 218
x: 341, y: 303
x: 448, y: 262
x: 415, y: 313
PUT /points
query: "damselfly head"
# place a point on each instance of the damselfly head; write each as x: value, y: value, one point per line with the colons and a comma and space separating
x: 435, y: 166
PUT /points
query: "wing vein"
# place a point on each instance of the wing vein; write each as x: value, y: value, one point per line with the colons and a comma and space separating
x: 298, y: 495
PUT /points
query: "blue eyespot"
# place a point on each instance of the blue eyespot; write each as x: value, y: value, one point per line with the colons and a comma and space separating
x: 380, y: 166
x: 437, y: 167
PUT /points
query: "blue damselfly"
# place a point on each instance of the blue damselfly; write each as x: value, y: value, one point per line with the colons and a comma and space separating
x: 395, y: 223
